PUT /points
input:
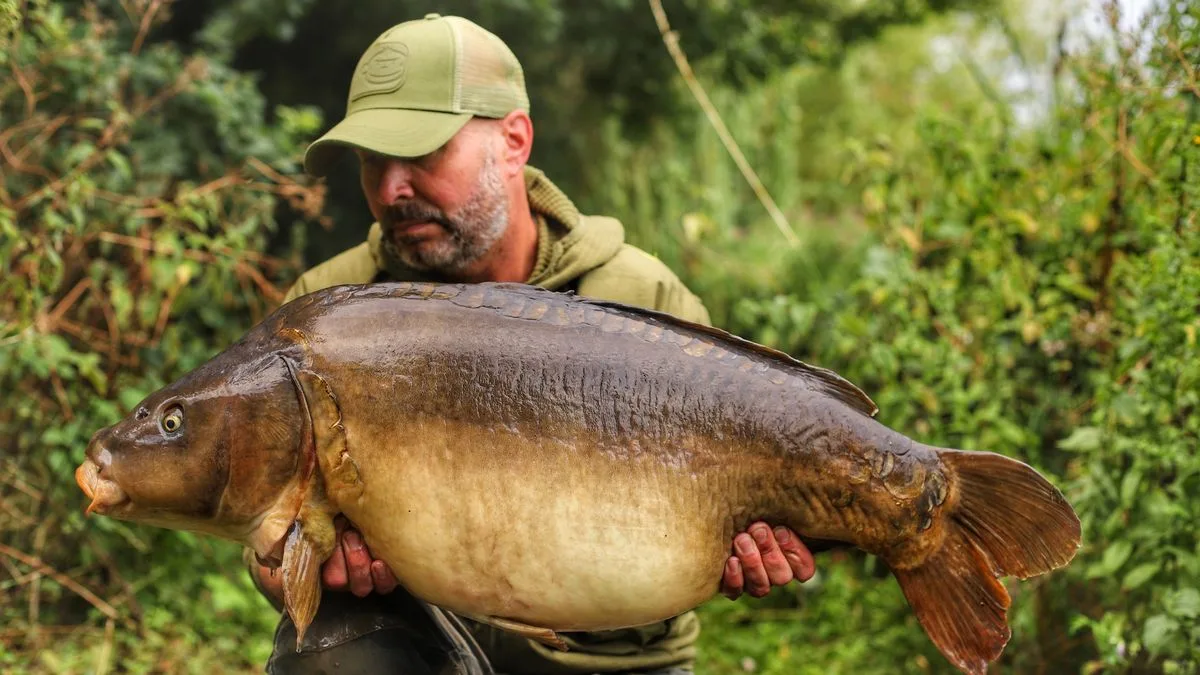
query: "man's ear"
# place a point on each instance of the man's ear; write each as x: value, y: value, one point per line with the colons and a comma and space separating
x: 516, y: 129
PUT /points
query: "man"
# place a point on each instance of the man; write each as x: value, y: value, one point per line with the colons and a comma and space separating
x: 438, y: 116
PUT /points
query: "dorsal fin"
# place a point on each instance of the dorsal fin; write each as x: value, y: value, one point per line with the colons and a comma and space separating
x: 824, y: 380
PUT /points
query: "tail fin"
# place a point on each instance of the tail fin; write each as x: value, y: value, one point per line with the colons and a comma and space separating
x: 1004, y: 520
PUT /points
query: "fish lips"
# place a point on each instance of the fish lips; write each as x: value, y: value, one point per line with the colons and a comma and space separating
x: 105, y: 494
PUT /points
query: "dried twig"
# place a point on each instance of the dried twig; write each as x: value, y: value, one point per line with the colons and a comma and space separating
x: 60, y: 393
x: 268, y: 289
x: 48, y: 129
x: 150, y: 246
x: 51, y: 319
x: 164, y: 312
x: 26, y: 87
x: 35, y: 584
x: 228, y: 180
x: 66, y: 581
x: 111, y: 134
x: 127, y: 595
x: 114, y: 330
x: 11, y: 633
x: 144, y: 28
x: 671, y: 39
x: 18, y: 578
x: 1191, y: 72
x: 14, y: 479
x: 105, y: 654
x: 20, y: 519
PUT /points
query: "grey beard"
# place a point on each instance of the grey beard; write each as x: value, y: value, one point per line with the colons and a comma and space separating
x: 473, y: 230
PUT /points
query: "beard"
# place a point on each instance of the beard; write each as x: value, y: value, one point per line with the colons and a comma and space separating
x: 469, y: 232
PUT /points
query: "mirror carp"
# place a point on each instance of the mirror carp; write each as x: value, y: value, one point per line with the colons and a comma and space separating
x: 544, y: 462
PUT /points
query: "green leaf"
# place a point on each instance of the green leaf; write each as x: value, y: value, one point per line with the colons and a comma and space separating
x: 1129, y: 486
x: 1140, y: 575
x: 1158, y: 632
x: 1114, y: 557
x: 1184, y: 602
x: 122, y: 302
x: 129, y: 398
x: 120, y: 163
x: 1082, y: 439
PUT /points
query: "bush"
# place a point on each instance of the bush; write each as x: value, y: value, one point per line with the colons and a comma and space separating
x: 137, y: 186
x: 1032, y: 292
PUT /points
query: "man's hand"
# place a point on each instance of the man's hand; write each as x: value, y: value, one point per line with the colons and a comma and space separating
x: 763, y: 558
x: 351, y: 567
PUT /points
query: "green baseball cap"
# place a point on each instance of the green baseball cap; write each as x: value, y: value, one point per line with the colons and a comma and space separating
x: 417, y: 85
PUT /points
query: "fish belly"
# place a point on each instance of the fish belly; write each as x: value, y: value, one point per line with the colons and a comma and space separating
x: 553, y: 533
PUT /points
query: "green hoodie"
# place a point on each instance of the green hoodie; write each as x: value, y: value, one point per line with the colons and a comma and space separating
x: 587, y: 254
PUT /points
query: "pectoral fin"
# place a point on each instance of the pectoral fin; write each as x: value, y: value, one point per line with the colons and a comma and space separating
x: 343, y: 484
x: 542, y: 635
x: 309, y: 544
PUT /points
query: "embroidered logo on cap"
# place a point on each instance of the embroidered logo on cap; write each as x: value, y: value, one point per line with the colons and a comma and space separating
x: 384, y: 70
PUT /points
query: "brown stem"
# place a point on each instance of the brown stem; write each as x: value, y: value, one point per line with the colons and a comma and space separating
x: 111, y: 134
x: 671, y: 40
x: 60, y: 393
x: 144, y: 28
x: 52, y: 319
x: 66, y: 581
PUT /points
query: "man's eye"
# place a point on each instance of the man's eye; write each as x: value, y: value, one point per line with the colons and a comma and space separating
x: 430, y: 160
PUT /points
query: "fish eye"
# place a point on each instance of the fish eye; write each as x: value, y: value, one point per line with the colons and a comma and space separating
x: 173, y: 420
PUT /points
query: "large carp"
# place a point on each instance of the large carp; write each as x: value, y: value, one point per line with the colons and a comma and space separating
x: 543, y: 462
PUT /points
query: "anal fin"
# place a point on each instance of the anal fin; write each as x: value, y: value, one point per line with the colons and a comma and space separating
x: 545, y: 636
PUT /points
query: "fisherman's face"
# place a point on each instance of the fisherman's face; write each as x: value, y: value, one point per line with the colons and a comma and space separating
x: 444, y: 211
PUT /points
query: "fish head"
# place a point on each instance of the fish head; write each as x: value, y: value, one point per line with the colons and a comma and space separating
x: 211, y: 452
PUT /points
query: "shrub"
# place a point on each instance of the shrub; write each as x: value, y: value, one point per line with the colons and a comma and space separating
x: 1034, y: 292
x: 137, y: 187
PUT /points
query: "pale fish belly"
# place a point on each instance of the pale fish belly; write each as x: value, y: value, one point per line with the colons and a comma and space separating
x: 550, y: 532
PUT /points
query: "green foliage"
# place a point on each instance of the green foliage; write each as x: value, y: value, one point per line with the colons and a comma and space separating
x: 138, y: 186
x: 1030, y: 291
x: 1025, y: 284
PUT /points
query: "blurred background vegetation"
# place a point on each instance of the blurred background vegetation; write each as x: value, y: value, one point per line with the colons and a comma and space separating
x: 996, y: 207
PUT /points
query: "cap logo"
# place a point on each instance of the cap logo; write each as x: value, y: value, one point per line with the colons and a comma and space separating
x: 384, y: 70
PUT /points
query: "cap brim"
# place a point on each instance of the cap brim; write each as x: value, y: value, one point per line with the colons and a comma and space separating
x: 387, y: 131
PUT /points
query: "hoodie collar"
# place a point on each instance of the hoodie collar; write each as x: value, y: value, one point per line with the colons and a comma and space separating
x: 569, y: 244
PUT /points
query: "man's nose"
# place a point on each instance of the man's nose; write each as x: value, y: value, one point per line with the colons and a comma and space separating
x: 395, y: 182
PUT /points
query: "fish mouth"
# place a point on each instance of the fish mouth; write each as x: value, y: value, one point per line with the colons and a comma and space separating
x: 105, y: 494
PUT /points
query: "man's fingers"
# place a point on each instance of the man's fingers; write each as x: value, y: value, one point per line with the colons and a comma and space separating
x: 385, y: 582
x: 778, y: 569
x: 758, y: 583
x: 333, y: 572
x: 358, y: 563
x: 731, y: 583
x: 797, y: 554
